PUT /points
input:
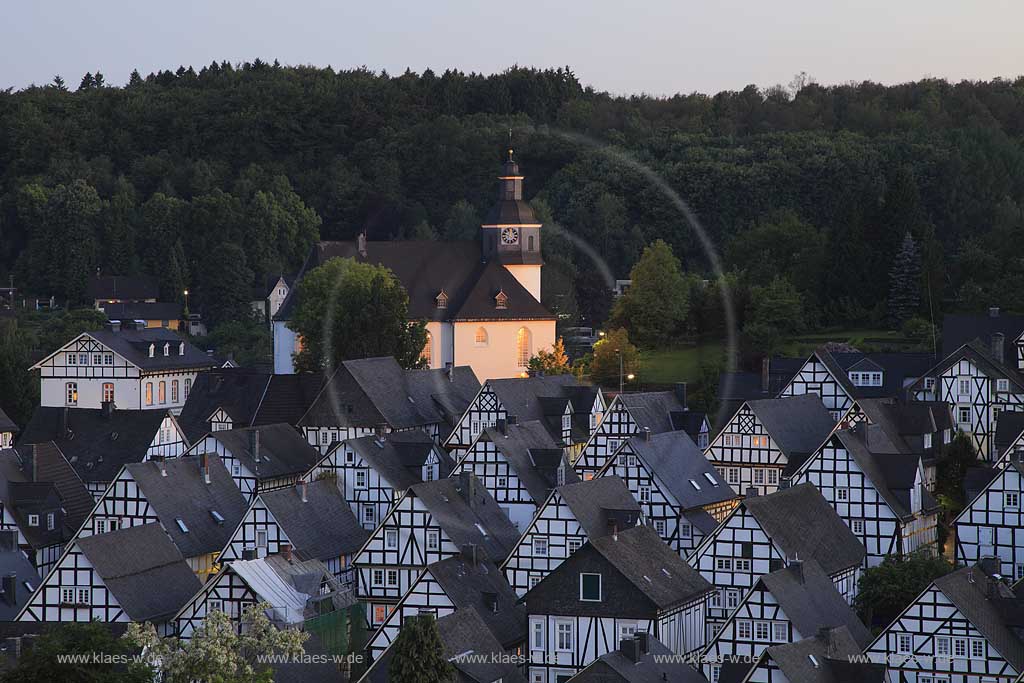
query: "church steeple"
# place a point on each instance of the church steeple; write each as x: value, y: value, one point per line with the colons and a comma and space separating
x: 511, y: 233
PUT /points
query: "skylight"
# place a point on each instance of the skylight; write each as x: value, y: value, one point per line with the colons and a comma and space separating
x: 714, y: 482
x: 181, y: 524
x: 695, y: 484
x: 666, y: 572
x: 814, y: 660
x: 217, y: 517
x: 480, y: 529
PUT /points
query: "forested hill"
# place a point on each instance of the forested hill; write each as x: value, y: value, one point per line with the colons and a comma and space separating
x: 817, y: 186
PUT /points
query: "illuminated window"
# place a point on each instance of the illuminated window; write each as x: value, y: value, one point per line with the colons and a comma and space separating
x: 149, y: 393
x: 174, y: 391
x: 162, y: 392
x: 481, y: 337
x: 71, y: 389
x: 523, y: 347
x: 108, y: 392
x: 427, y: 354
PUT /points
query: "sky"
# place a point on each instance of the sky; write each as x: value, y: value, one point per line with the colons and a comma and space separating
x: 658, y: 47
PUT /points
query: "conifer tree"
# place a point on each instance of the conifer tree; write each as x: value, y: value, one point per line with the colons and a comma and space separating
x: 905, y: 282
x: 419, y: 654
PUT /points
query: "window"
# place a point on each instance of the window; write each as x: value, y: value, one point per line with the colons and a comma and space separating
x: 523, y: 347
x: 711, y: 479
x: 842, y: 495
x: 534, y: 580
x: 1002, y: 386
x: 927, y: 441
x: 369, y: 515
x: 1011, y: 499
x: 380, y: 613
x: 392, y: 578
x: 732, y: 475
x: 76, y: 595
x: 629, y: 459
x: 174, y: 391
x: 442, y: 299
x: 590, y: 587
x: 857, y: 527
x: 942, y: 648
x: 773, y: 477
x: 685, y: 530
x: 72, y: 359
x: 904, y: 643
x: 659, y: 527
x: 723, y: 564
x: 963, y: 387
x: 613, y: 445
x: 575, y: 544
x: 97, y: 359
x: 761, y: 630
x: 108, y: 392
x: 759, y: 441
x: 963, y: 415
x: 377, y: 578
x: 741, y: 565
x: 433, y: 539
x: 716, y: 599
x: 566, y: 423
x: 960, y: 647
x: 83, y: 359
x: 759, y: 476
x: 1018, y: 572
x: 215, y: 606
x: 480, y: 338
x: 977, y: 648
x: 780, y: 632
x: 502, y: 482
x: 71, y: 393
x: 149, y: 393
x: 33, y: 520
x: 645, y: 494
x: 391, y: 539
x: 744, y: 629
x: 51, y: 519
x: 540, y: 546
x: 323, y: 438
x: 626, y: 630
x: 727, y: 440
x: 162, y: 391
x: 188, y: 387
x: 427, y: 354
x: 563, y: 636
x: 360, y: 479
x: 732, y: 599
x: 108, y: 359
x: 537, y: 634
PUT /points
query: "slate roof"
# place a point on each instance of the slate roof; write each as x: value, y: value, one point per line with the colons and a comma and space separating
x: 398, y: 457
x: 544, y: 398
x: 13, y: 561
x: 125, y: 287
x: 832, y: 652
x: 905, y: 422
x: 961, y: 328
x: 283, y: 451
x: 133, y: 346
x: 615, y: 667
x: 459, y: 504
x: 967, y: 589
x: 591, y: 500
x: 178, y: 490
x: 652, y: 410
x: 7, y: 424
x: 980, y: 356
x: 642, y: 557
x: 533, y: 455
x: 892, y: 474
x: 467, y: 585
x: 237, y: 391
x: 798, y: 425
x: 321, y: 528
x: 1009, y: 426
x: 802, y: 524
x: 142, y: 311
x: 95, y: 444
x: 898, y: 369
x: 51, y: 466
x: 425, y: 268
x: 811, y: 602
x: 469, y: 643
x: 675, y: 462
x: 977, y: 479
x: 143, y: 569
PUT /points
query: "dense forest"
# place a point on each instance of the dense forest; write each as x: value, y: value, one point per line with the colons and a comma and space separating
x: 229, y: 173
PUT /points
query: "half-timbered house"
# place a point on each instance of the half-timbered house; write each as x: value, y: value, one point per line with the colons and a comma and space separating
x: 377, y: 395
x: 991, y: 524
x: 764, y: 532
x: 373, y: 472
x: 881, y: 496
x: 979, y: 384
x: 608, y: 590
x: 991, y: 327
x: 520, y: 464
x: 312, y: 518
x: 133, y: 574
x: 432, y: 521
x: 260, y: 458
x: 1009, y: 436
x: 295, y: 590
x: 765, y: 442
x: 8, y: 430
x: 193, y: 498
x: 921, y: 428
x: 832, y: 656
x: 136, y: 369
x: 462, y: 581
x: 629, y: 414
x: 784, y: 606
x: 572, y: 514
x: 964, y: 627
x: 570, y: 411
x: 99, y: 442
x: 683, y: 497
x: 18, y: 578
x: 841, y: 378
x: 638, y: 659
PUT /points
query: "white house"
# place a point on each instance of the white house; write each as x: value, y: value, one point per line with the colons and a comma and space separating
x: 991, y: 525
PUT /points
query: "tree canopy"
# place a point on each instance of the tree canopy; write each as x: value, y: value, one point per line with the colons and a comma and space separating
x: 418, y: 653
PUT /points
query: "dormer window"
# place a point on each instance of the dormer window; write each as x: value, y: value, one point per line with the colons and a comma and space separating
x: 167, y: 350
x: 501, y: 301
x: 152, y: 350
x: 442, y: 299
x: 181, y: 349
x: 866, y: 379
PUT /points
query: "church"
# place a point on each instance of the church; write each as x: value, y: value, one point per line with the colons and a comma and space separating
x: 480, y: 298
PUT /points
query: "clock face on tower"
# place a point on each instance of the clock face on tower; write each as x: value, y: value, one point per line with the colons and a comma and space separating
x: 510, y: 236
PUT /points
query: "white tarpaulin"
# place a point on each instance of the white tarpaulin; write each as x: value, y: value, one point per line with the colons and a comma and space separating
x: 287, y: 604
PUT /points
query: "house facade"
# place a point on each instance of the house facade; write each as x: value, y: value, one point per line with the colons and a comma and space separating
x: 991, y: 525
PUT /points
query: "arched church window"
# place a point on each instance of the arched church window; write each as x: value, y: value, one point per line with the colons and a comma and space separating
x: 523, y: 347
x: 481, y: 336
x: 427, y: 353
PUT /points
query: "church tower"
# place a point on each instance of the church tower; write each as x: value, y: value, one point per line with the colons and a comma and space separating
x: 510, y: 234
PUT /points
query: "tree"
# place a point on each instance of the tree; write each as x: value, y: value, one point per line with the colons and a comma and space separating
x: 957, y: 457
x: 21, y: 391
x: 226, y: 286
x: 775, y: 311
x: 216, y: 652
x: 886, y: 590
x: 905, y: 283
x: 463, y: 222
x: 40, y: 662
x: 553, y: 362
x: 58, y: 83
x: 346, y: 309
x: 418, y: 654
x: 657, y: 302
x: 247, y: 341
x: 605, y: 364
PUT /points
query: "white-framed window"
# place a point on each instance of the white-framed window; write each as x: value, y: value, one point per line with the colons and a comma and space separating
x: 72, y: 359
x: 960, y: 647
x: 392, y: 578
x: 773, y: 477
x: 391, y: 539
x: 71, y: 393
x: 744, y: 629
x: 537, y: 634
x: 523, y: 347
x: 1018, y: 572
x: 732, y: 599
x: 727, y: 440
x: 659, y: 527
x: 108, y: 359
x: 534, y: 580
x: 433, y: 539
x: 717, y: 599
x: 261, y: 538
x: 51, y: 521
x: 723, y: 564
x: 732, y: 475
x: 759, y: 441
x: 904, y: 643
x: 574, y: 544
x: 361, y: 476
x: 762, y: 630
x: 977, y: 648
x: 645, y: 494
x: 566, y: 423
x: 857, y: 526
x: 927, y: 440
x: 174, y: 391
x: 963, y: 386
x: 780, y: 632
x: 162, y: 391
x: 33, y: 520
x: 214, y: 606
x: 963, y: 415
x: 350, y: 457
x: 626, y: 630
x: 369, y: 514
x: 480, y: 338
x: 149, y: 393
x: 942, y: 648
x: 502, y: 482
x: 83, y: 359
x: 1003, y: 386
x: 759, y: 476
x: 685, y: 530
x: 629, y: 459
x: 97, y: 359
x: 741, y: 564
x: 563, y: 636
x: 108, y: 392
x: 188, y: 387
x: 929, y: 383
x: 613, y: 445
x: 842, y: 495
x: 540, y: 546
x: 377, y: 578
x: 590, y: 587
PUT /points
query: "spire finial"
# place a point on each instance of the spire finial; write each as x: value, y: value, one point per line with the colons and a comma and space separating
x: 510, y: 144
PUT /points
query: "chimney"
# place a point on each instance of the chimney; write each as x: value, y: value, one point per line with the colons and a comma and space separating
x: 63, y: 423
x: 286, y: 550
x: 630, y: 649
x: 501, y: 426
x: 204, y: 466
x: 303, y: 486
x: 680, y: 391
x: 644, y: 640
x: 490, y: 601
x: 254, y: 445
x: 766, y: 373
x: 249, y: 554
x: 469, y: 554
x: 449, y: 370
x: 11, y: 588
x: 8, y: 540
x: 511, y: 420
x: 797, y: 566
x: 998, y: 344
x: 825, y: 636
x: 467, y: 486
x: 108, y: 409
x: 993, y: 312
x: 361, y: 244
x: 114, y: 325
x: 33, y: 463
